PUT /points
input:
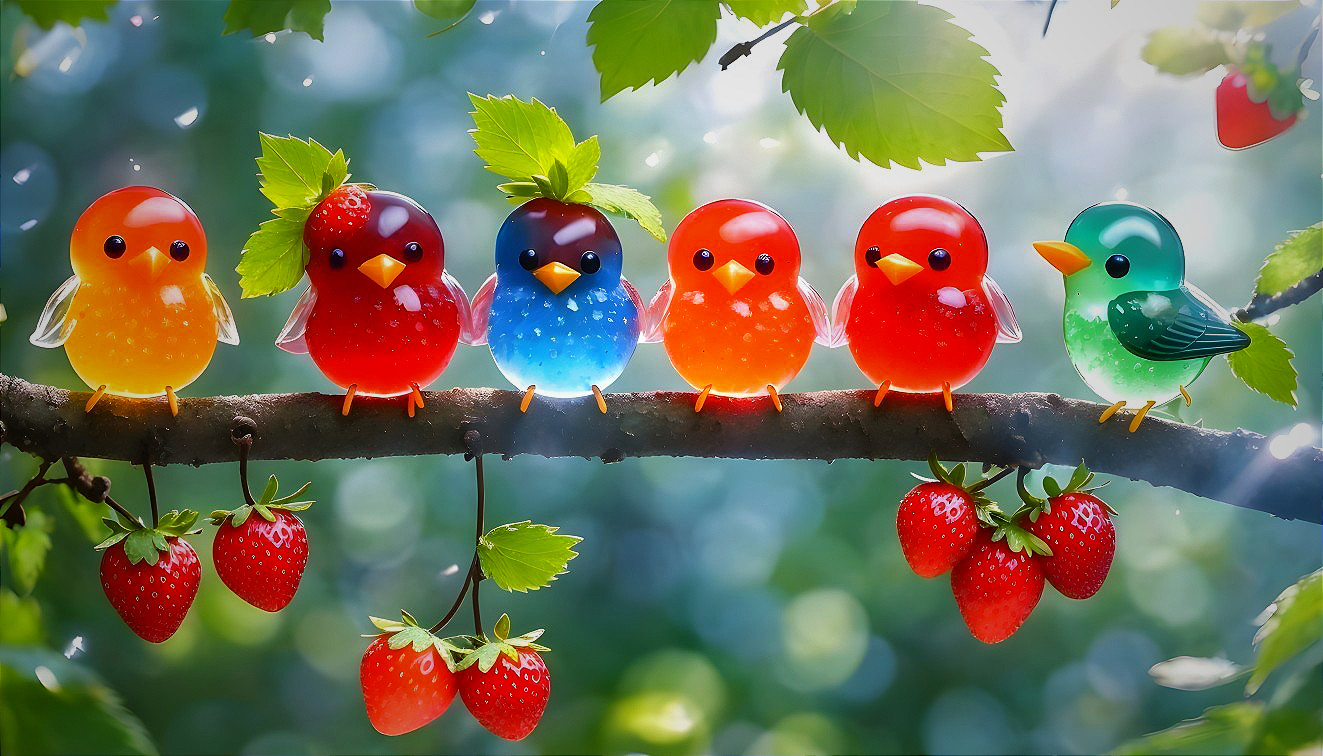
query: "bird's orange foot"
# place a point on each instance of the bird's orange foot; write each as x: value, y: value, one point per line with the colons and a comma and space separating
x: 96, y: 397
x: 173, y: 400
x: 776, y: 398
x: 349, y: 399
x: 702, y: 398
x: 415, y: 398
x: 527, y: 400
x: 946, y: 396
x: 1112, y: 410
x: 1188, y: 401
x: 881, y: 393
x: 601, y: 401
x: 1140, y: 415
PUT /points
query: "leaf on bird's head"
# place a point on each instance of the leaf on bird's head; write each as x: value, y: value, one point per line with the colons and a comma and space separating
x: 295, y: 175
x: 532, y: 146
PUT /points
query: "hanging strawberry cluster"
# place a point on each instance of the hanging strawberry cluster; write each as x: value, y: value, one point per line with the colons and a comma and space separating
x: 999, y: 562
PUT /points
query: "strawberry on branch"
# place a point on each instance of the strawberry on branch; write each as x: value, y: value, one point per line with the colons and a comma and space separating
x: 151, y: 574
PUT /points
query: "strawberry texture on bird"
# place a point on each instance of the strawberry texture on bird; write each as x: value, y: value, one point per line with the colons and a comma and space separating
x: 921, y: 315
x: 734, y: 316
x: 559, y: 316
x: 381, y: 316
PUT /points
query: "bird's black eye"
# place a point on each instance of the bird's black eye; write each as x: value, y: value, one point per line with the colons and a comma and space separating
x: 413, y: 252
x: 1118, y: 266
x: 703, y: 259
x: 179, y: 250
x: 590, y: 262
x: 114, y: 246
x: 336, y: 259
x: 764, y: 264
x: 939, y: 259
x: 872, y: 255
x: 528, y: 259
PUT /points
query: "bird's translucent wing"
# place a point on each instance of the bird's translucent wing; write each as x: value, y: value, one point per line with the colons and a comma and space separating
x: 291, y: 336
x: 480, y: 312
x: 55, y: 324
x: 822, y: 331
x: 226, y: 330
x: 656, y: 314
x: 1008, y: 328
x: 637, y: 299
x: 461, y: 297
x: 1178, y: 324
x: 840, y: 312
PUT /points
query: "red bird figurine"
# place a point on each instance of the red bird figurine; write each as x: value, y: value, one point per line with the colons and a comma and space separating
x: 920, y: 314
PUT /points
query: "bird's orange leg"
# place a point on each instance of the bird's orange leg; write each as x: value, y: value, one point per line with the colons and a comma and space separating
x: 527, y: 400
x: 409, y: 401
x: 173, y: 400
x: 702, y: 398
x: 1186, y: 394
x: 349, y: 399
x: 946, y: 396
x: 1139, y: 416
x: 776, y: 398
x: 881, y: 393
x: 601, y: 401
x: 416, y: 395
x: 1107, y: 413
x: 96, y: 397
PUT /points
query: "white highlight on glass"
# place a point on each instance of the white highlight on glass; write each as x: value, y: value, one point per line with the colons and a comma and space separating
x: 187, y: 118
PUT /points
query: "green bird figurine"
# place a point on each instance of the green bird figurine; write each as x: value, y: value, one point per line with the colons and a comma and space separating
x: 1136, y: 332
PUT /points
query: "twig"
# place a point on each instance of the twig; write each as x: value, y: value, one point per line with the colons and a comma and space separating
x: 151, y: 490
x: 241, y: 433
x: 95, y: 489
x: 1051, y: 8
x: 1262, y: 307
x: 742, y: 49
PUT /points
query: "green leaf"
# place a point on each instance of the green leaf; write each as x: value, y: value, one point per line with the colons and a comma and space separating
x: 582, y: 163
x: 630, y: 203
x: 1221, y: 729
x: 292, y: 170
x: 47, y: 13
x: 764, y: 12
x: 1184, y: 51
x: 1242, y: 14
x: 262, y: 16
x: 22, y: 621
x: 895, y: 82
x: 273, y: 258
x: 449, y: 12
x: 54, y: 706
x: 27, y: 546
x: 636, y: 42
x: 1265, y: 365
x: 523, y: 556
x: 1292, y: 627
x: 518, y: 139
x: 86, y: 513
x: 1292, y: 261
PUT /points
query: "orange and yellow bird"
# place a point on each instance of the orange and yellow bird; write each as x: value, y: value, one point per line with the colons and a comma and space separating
x: 139, y: 317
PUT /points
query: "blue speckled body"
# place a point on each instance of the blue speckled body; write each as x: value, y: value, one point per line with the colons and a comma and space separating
x: 563, y: 344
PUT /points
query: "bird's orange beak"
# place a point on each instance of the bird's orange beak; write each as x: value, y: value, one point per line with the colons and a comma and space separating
x: 897, y: 268
x: 1063, y: 256
x: 733, y: 276
x: 152, y: 261
x: 382, y: 269
x: 556, y: 276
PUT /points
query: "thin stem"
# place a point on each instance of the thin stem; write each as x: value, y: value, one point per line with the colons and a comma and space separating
x: 1048, y: 21
x: 1307, y: 44
x: 151, y: 491
x: 989, y: 481
x: 1262, y: 307
x: 459, y: 600
x: 245, y: 444
x: 742, y: 49
x: 115, y: 505
x: 22, y: 493
x: 476, y: 570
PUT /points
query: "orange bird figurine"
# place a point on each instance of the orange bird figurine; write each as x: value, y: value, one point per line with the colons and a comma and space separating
x: 735, y: 317
x: 139, y: 317
x: 920, y: 314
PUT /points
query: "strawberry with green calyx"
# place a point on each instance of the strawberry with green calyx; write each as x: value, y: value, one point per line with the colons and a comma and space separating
x: 1078, y: 528
x: 407, y: 676
x: 999, y: 583
x: 261, y: 549
x: 151, y: 575
x: 1256, y: 100
x: 504, y: 682
x: 938, y: 519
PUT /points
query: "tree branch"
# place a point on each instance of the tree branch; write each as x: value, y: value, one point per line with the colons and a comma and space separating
x: 1262, y: 307
x: 1016, y: 429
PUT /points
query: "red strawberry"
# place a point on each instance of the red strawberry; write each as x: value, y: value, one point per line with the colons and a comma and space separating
x: 337, y: 217
x: 151, y: 575
x: 505, y: 683
x: 936, y: 521
x: 406, y: 677
x: 1256, y: 101
x: 261, y: 558
x: 1077, y: 526
x: 996, y: 587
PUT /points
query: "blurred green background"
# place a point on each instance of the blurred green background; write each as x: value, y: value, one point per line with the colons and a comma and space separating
x: 716, y: 606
